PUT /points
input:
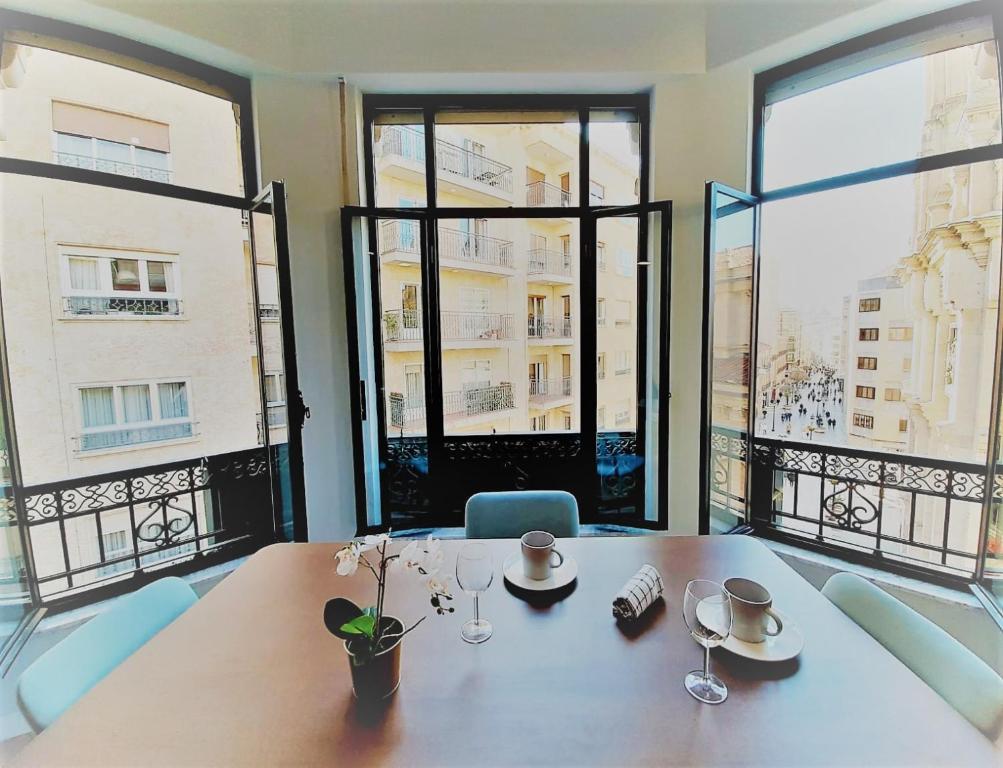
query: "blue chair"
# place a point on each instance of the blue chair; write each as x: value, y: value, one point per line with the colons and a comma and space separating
x: 960, y: 677
x: 65, y: 672
x: 510, y: 514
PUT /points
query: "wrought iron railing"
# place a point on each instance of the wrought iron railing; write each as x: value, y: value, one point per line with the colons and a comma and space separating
x: 451, y: 160
x: 118, y: 438
x: 891, y: 509
x: 549, y: 389
x: 405, y: 325
x: 87, y: 306
x: 545, y: 195
x: 269, y: 311
x: 400, y: 236
x: 408, y: 411
x: 544, y: 262
x: 169, y: 514
x: 112, y: 166
x: 456, y: 245
x: 549, y: 328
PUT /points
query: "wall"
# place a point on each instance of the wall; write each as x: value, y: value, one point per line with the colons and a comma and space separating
x: 299, y: 135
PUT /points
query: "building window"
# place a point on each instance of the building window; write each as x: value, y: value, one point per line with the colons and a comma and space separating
x: 601, y: 417
x: 110, y: 142
x: 867, y: 363
x: 622, y: 362
x: 538, y: 423
x: 863, y: 420
x: 600, y: 312
x: 870, y: 305
x: 567, y: 420
x: 133, y: 414
x: 625, y: 263
x: 900, y: 333
x: 597, y: 192
x: 622, y: 310
x: 116, y: 544
x: 601, y: 256
x: 102, y: 283
x: 893, y: 394
x: 601, y: 365
x: 903, y: 425
x: 907, y: 365
x: 865, y: 392
x: 275, y: 398
x: 868, y: 334
x: 622, y: 415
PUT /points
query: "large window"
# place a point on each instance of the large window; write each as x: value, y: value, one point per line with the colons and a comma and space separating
x: 107, y: 283
x: 878, y: 181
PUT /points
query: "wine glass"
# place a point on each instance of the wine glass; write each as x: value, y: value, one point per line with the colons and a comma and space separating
x: 474, y: 573
x: 707, y: 611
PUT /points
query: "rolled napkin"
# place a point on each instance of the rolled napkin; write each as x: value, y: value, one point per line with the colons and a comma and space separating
x: 633, y: 599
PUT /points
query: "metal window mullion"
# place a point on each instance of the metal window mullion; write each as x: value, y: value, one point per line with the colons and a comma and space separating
x: 432, y: 348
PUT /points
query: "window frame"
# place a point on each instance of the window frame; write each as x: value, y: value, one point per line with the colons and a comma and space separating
x: 104, y: 257
x: 169, y: 170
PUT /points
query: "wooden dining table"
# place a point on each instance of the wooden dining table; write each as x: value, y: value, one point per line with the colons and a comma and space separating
x: 249, y: 676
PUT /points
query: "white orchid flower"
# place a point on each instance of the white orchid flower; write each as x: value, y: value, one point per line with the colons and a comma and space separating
x: 437, y: 584
x: 372, y: 542
x: 348, y: 560
x: 411, y: 556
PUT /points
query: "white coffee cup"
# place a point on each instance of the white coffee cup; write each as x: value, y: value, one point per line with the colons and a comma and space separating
x: 751, y: 610
x: 538, y: 555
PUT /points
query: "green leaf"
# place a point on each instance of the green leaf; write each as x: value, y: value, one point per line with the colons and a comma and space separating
x: 360, y: 625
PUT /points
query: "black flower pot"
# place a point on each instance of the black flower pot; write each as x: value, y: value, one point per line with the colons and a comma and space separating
x: 377, y: 676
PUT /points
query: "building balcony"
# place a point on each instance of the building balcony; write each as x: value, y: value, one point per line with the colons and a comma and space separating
x: 550, y: 267
x: 400, y: 152
x: 545, y: 329
x: 134, y: 436
x: 399, y: 244
x: 550, y: 393
x: 472, y: 403
x: 459, y: 330
x: 269, y: 311
x: 112, y: 166
x: 120, y: 306
x: 541, y: 194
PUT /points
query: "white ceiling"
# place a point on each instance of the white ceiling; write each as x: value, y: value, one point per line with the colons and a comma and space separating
x: 485, y: 44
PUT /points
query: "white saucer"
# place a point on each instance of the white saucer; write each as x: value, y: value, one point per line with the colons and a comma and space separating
x: 559, y: 577
x: 783, y: 647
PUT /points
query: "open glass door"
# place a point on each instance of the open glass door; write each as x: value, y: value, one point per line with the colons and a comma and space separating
x: 730, y: 260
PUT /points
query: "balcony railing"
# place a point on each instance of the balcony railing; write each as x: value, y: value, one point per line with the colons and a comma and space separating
x: 97, y: 306
x: 398, y: 236
x: 475, y: 248
x: 112, y: 166
x: 170, y: 513
x: 544, y: 195
x: 120, y: 438
x: 886, y: 508
x: 405, y: 325
x: 544, y: 262
x: 269, y: 311
x: 406, y: 410
x: 450, y: 160
x: 547, y: 328
x: 549, y: 389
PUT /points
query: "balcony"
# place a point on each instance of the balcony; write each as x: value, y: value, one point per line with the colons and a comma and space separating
x: 550, y: 267
x: 545, y: 329
x: 918, y: 513
x: 540, y: 194
x: 112, y: 166
x: 476, y: 252
x: 118, y: 306
x: 400, y: 152
x: 403, y: 329
x: 172, y: 514
x: 134, y: 436
x: 471, y: 403
x: 550, y: 393
x: 269, y: 311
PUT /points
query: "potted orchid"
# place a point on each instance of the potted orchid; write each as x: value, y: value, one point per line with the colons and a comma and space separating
x: 373, y: 640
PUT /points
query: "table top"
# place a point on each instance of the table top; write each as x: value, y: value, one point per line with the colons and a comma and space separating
x: 250, y: 676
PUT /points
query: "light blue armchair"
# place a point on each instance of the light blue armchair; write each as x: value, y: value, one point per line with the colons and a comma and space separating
x: 65, y: 672
x: 510, y: 514
x: 965, y: 681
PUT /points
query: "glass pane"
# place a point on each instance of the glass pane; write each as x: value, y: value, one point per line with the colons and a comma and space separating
x: 108, y: 384
x: 399, y: 159
x: 938, y: 103
x: 732, y: 265
x: 15, y: 596
x: 616, y: 338
x: 614, y: 157
x: 509, y: 320
x: 72, y: 111
x: 505, y: 159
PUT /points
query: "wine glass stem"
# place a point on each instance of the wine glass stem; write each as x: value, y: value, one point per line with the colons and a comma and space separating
x: 477, y: 608
x: 706, y: 661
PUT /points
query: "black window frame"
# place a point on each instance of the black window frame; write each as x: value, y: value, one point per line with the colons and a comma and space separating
x: 831, y: 56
